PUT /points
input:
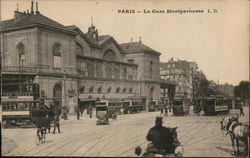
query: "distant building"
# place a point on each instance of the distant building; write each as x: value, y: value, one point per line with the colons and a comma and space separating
x: 185, y: 73
x: 227, y: 89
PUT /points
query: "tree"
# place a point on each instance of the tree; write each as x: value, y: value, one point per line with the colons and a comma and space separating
x: 243, y: 91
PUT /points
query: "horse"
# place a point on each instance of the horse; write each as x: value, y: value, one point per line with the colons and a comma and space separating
x: 236, y: 130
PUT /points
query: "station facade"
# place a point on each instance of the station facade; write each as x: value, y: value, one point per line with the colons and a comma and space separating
x: 70, y: 65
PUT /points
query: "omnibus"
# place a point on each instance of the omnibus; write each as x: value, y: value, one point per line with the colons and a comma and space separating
x: 132, y: 106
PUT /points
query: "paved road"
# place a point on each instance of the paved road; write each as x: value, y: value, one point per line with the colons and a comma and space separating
x: 200, y: 135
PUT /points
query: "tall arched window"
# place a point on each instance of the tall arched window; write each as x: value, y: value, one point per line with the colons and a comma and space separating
x: 151, y: 93
x: 118, y: 90
x: 91, y: 89
x: 109, y: 90
x: 99, y: 90
x: 21, y: 52
x: 151, y: 70
x: 124, y: 90
x: 57, y: 55
x: 79, y: 49
x: 109, y: 55
x: 130, y: 90
x: 82, y: 90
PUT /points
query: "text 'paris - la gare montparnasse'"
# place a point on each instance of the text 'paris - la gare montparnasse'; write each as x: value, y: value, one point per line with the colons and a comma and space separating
x: 156, y: 11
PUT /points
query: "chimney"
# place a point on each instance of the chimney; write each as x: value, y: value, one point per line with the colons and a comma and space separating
x: 140, y: 39
x: 32, y: 7
x: 131, y: 40
x: 28, y: 11
x: 37, y: 12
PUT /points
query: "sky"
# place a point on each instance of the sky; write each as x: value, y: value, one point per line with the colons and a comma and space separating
x: 218, y: 42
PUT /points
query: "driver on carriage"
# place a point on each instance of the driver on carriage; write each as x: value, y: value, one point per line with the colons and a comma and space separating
x: 162, y: 138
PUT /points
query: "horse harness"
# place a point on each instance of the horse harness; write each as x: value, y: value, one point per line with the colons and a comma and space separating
x: 233, y: 126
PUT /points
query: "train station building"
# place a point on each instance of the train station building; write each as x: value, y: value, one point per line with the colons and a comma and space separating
x: 70, y: 65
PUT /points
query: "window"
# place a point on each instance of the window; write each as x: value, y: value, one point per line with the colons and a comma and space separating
x: 117, y: 72
x: 57, y: 55
x: 109, y: 55
x: 109, y: 90
x: 99, y: 90
x: 124, y: 73
x: 21, y: 51
x: 90, y: 68
x: 99, y: 69
x: 108, y: 70
x: 91, y: 89
x: 82, y: 90
x: 79, y: 50
x: 124, y: 90
x: 118, y: 90
x: 130, y: 90
x: 151, y: 70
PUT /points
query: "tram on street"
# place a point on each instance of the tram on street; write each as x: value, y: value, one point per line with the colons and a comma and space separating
x: 22, y: 108
x: 154, y: 105
x: 113, y: 106
x: 180, y: 106
x: 132, y: 106
x: 215, y: 105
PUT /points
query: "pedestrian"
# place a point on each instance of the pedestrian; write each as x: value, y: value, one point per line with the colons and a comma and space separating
x: 90, y: 112
x: 81, y: 110
x: 77, y: 112
x: 56, y: 123
x: 162, y: 111
x: 241, y: 111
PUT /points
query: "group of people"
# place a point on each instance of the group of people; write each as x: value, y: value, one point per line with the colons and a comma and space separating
x: 79, y: 111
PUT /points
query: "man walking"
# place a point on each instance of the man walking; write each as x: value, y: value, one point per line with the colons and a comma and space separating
x: 77, y: 110
x: 56, y: 123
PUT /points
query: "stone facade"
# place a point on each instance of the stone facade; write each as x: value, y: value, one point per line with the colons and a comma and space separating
x: 62, y: 59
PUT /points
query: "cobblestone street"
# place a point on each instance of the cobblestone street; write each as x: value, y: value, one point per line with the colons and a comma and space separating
x: 200, y: 135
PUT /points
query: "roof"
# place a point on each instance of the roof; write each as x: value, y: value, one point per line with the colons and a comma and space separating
x: 104, y: 38
x: 28, y: 20
x: 137, y: 47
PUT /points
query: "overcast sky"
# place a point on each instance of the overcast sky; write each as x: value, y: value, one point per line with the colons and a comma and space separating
x: 218, y: 42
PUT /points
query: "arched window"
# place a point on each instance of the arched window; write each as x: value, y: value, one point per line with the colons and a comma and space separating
x: 109, y: 90
x: 20, y: 48
x: 118, y: 90
x: 124, y: 73
x: 91, y: 89
x: 57, y: 55
x: 109, y: 55
x: 21, y: 51
x: 99, y: 90
x: 79, y: 49
x: 124, y: 90
x: 151, y: 93
x: 151, y: 70
x: 82, y: 90
x: 130, y: 90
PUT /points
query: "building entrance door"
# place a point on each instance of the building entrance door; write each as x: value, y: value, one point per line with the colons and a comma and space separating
x: 57, y: 94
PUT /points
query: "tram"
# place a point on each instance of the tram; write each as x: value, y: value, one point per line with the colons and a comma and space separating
x: 22, y: 108
x: 180, y: 106
x: 215, y: 105
x: 113, y: 106
x: 154, y: 105
x: 132, y: 106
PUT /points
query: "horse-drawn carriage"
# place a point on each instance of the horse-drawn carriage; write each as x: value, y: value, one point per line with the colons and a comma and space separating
x: 102, y: 115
